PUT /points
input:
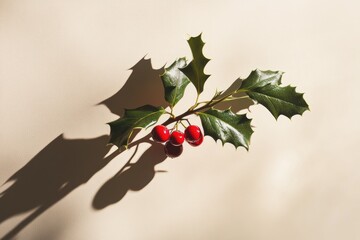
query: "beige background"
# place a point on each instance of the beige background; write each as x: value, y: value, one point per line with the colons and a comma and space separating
x: 59, y: 59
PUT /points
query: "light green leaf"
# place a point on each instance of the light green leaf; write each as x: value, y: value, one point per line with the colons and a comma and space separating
x: 227, y: 126
x: 174, y: 82
x: 279, y: 100
x: 195, y: 70
x: 142, y: 117
x: 258, y: 78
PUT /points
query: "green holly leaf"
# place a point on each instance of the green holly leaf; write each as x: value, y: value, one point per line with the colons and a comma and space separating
x: 258, y: 78
x: 227, y: 126
x: 279, y: 100
x: 142, y: 117
x: 264, y: 87
x: 174, y: 82
x: 195, y: 70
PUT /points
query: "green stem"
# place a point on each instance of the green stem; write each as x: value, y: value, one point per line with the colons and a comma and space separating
x: 196, y: 102
x: 170, y: 113
x: 197, y: 99
x: 235, y: 98
x: 203, y: 102
x: 208, y: 105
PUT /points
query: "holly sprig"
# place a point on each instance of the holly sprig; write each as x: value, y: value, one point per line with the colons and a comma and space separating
x: 263, y: 87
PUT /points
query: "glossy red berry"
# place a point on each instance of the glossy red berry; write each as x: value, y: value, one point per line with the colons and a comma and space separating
x: 173, y: 151
x: 177, y: 138
x: 192, y: 133
x: 198, y: 142
x: 160, y: 133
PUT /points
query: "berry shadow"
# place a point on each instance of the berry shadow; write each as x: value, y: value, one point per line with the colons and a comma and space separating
x: 66, y: 164
x: 132, y: 176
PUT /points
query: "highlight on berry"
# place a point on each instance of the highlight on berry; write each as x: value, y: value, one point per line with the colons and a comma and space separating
x: 174, y: 141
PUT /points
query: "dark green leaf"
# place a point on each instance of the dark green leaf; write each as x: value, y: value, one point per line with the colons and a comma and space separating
x: 258, y: 78
x: 195, y: 70
x: 264, y: 87
x: 280, y: 100
x: 227, y: 126
x: 174, y: 82
x: 142, y: 117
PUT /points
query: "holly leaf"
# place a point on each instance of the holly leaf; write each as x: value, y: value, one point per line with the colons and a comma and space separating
x: 142, y: 117
x: 258, y: 78
x: 264, y: 87
x: 195, y: 69
x: 227, y: 126
x: 174, y: 82
x: 279, y: 100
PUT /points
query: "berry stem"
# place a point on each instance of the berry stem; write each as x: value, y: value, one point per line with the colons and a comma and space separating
x: 187, y: 121
x: 182, y: 124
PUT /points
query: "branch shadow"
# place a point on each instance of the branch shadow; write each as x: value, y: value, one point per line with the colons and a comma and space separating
x: 65, y: 164
x: 52, y: 174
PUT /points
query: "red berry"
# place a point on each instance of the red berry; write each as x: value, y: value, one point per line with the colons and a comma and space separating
x: 160, y: 133
x: 173, y: 151
x: 192, y: 133
x: 177, y: 138
x: 198, y: 142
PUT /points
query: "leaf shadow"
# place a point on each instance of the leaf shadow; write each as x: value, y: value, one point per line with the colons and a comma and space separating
x: 143, y: 87
x: 65, y: 164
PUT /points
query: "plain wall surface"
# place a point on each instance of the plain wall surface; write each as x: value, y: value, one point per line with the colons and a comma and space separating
x: 60, y: 59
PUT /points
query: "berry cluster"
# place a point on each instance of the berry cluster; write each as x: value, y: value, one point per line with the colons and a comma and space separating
x: 174, y: 140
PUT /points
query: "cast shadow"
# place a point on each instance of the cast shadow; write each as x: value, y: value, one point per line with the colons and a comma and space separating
x: 133, y: 176
x: 65, y: 164
x: 144, y: 86
x: 53, y: 173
